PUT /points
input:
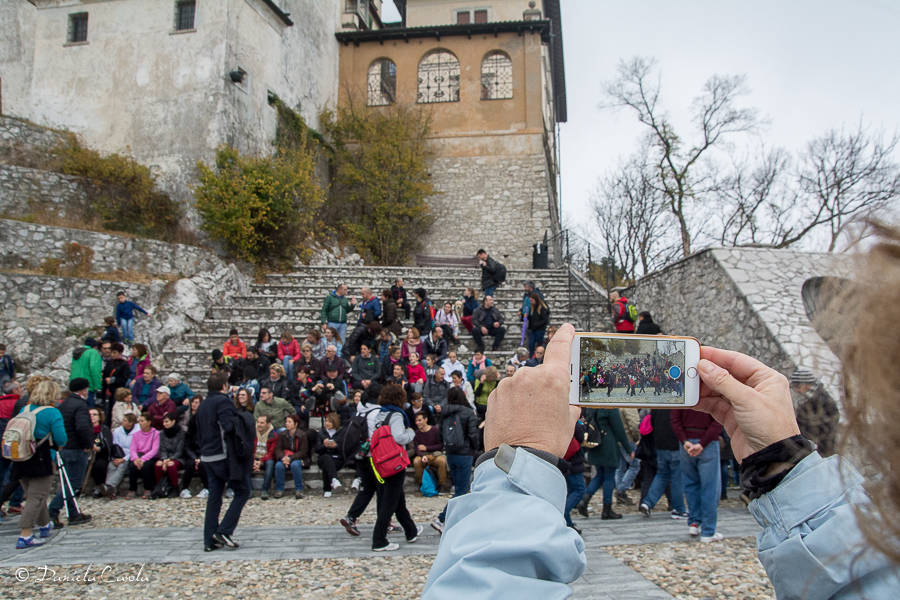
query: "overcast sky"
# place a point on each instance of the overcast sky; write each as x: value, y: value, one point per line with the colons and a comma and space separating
x: 810, y: 64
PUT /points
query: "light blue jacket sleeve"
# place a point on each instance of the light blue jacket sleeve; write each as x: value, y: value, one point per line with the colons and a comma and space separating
x: 507, y: 537
x: 811, y: 545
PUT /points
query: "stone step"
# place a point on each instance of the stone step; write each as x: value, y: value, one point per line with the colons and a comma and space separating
x: 453, y: 291
x: 391, y: 273
x: 287, y: 308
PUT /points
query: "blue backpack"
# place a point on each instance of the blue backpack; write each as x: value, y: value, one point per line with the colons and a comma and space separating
x: 429, y: 485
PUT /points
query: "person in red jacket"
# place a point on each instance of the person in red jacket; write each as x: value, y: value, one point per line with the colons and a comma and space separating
x: 234, y: 346
x: 264, y: 453
x: 699, y: 436
x: 288, y: 353
x: 620, y: 313
x: 162, y: 407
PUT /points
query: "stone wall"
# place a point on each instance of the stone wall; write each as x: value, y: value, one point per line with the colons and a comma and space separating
x: 22, y: 187
x: 34, y: 243
x: 499, y: 203
x: 18, y: 134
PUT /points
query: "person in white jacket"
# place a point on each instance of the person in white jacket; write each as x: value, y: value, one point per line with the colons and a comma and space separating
x: 118, y: 464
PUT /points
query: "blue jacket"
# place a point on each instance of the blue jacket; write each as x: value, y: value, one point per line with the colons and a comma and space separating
x: 125, y: 311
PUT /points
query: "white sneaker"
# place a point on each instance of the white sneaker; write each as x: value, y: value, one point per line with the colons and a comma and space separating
x: 437, y: 526
x: 355, y: 485
x: 185, y: 493
x: 204, y: 493
x: 229, y: 493
x: 389, y: 548
x: 328, y: 494
x: 716, y: 537
x: 335, y: 483
x: 419, y: 530
x: 694, y: 529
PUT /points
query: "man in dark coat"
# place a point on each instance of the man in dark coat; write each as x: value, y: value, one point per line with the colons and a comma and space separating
x: 487, y: 320
x: 493, y: 273
x: 226, y: 451
x: 77, y: 451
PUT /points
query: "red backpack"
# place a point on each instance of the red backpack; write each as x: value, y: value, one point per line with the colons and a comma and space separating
x: 387, y: 456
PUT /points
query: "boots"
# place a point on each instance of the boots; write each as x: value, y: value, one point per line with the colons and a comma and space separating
x: 622, y: 498
x: 608, y: 513
x: 581, y: 507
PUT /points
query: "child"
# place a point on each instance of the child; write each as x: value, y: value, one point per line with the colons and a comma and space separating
x: 234, y: 347
x: 111, y: 333
x: 332, y: 337
x: 415, y: 373
x: 430, y: 366
x: 125, y: 316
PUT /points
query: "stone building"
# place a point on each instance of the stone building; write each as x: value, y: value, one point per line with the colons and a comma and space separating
x: 491, y: 76
x: 168, y: 81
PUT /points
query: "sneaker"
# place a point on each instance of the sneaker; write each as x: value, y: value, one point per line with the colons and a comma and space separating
x: 419, y: 530
x: 708, y: 539
x: 389, y: 548
x: 278, y: 494
x: 204, y: 493
x: 46, y: 529
x: 645, y: 510
x: 14, y: 510
x: 694, y: 529
x: 229, y: 493
x: 264, y: 495
x: 185, y: 493
x: 335, y: 483
x: 679, y: 515
x: 30, y: 542
x: 573, y: 527
x: 298, y: 495
x: 226, y: 540
x: 391, y: 527
x: 438, y: 526
x: 355, y: 485
x: 350, y: 525
x: 328, y: 494
x: 79, y: 519
x: 622, y: 498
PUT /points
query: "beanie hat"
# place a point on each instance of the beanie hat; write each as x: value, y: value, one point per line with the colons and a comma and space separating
x: 78, y: 384
x: 803, y: 376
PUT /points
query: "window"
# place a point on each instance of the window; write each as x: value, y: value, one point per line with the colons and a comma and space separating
x: 438, y: 77
x: 184, y: 14
x: 463, y: 17
x: 78, y: 28
x: 496, y: 76
x: 382, y: 82
x: 481, y: 16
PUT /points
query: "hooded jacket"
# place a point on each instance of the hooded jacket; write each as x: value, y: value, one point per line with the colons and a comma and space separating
x: 335, y: 308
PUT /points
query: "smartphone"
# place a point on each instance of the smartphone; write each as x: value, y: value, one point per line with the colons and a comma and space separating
x: 643, y: 371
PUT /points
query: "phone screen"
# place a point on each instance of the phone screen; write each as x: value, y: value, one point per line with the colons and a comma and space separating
x: 620, y: 371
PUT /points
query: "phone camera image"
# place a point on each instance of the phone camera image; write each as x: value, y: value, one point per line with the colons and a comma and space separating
x: 620, y: 371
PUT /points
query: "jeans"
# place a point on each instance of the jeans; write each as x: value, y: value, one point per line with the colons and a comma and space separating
x: 535, y: 338
x: 91, y: 398
x: 606, y: 476
x: 296, y: 473
x: 489, y: 291
x: 75, y: 462
x: 461, y: 473
x: 342, y: 330
x: 701, y: 486
x: 575, y: 486
x: 626, y: 473
x: 217, y: 472
x: 669, y: 466
x: 127, y: 326
x: 269, y: 469
x: 288, y: 363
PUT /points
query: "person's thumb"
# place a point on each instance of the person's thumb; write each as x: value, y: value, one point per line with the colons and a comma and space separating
x: 721, y: 381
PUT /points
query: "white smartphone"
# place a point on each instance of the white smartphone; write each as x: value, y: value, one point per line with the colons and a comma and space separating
x: 625, y: 370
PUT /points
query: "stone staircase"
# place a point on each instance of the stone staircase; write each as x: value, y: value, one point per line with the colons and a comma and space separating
x: 293, y: 301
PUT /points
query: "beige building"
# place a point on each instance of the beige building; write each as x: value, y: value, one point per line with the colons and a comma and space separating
x: 491, y: 75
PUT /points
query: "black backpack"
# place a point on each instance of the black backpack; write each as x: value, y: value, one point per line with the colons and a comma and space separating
x: 500, y: 274
x: 355, y: 434
x: 77, y: 352
x: 453, y: 435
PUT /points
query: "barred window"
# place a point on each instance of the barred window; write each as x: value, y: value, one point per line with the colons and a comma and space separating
x: 382, y: 82
x: 496, y: 76
x: 185, y: 10
x: 438, y: 77
x: 78, y: 27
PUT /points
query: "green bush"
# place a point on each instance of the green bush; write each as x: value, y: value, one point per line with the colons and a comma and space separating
x: 261, y: 209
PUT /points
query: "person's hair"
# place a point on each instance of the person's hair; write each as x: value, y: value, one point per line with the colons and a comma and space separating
x: 146, y: 416
x: 287, y: 336
x: 100, y: 414
x: 457, y: 373
x: 415, y: 396
x: 260, y: 337
x: 387, y: 294
x: 491, y: 374
x: 334, y: 418
x: 421, y: 293
x: 317, y: 335
x: 471, y: 291
x: 393, y: 348
x: 392, y: 394
x: 537, y: 302
x: 645, y: 315
x: 237, y: 399
x: 120, y: 293
x: 122, y: 393
x: 33, y: 382
x: 108, y: 321
x: 196, y: 397
x: 172, y: 416
x: 868, y: 351
x: 141, y: 350
x: 266, y: 417
x: 117, y: 347
x: 414, y: 331
x: 130, y: 417
x: 335, y: 334
x: 152, y: 369
x: 46, y: 393
x: 432, y: 356
x: 216, y: 381
x: 457, y: 396
x: 481, y: 251
x: 232, y: 332
x: 264, y: 387
x: 294, y: 418
x: 277, y: 367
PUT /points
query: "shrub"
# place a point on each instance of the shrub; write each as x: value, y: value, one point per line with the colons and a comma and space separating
x: 381, y: 179
x: 77, y: 262
x: 261, y: 209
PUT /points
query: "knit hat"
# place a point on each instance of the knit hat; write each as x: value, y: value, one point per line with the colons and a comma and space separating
x: 803, y: 376
x: 78, y: 384
x: 174, y: 376
x: 164, y: 389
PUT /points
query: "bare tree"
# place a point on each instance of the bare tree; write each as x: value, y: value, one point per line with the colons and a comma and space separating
x: 682, y: 176
x: 845, y: 178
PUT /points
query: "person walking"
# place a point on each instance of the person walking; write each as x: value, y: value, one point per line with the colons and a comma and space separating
x: 35, y: 475
x: 367, y: 486
x: 668, y: 466
x: 459, y: 432
x: 226, y: 451
x: 537, y: 321
x: 77, y: 450
x: 605, y: 457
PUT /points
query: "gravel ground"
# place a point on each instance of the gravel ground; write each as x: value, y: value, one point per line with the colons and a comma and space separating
x: 694, y: 571
x: 233, y: 580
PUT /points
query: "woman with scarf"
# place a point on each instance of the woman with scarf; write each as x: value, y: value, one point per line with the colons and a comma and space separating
x: 102, y: 451
x: 171, y: 453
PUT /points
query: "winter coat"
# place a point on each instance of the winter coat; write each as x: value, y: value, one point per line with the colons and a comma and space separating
x: 467, y: 420
x: 88, y: 365
x: 389, y: 318
x: 77, y: 421
x: 171, y: 447
x: 609, y: 421
x: 335, y: 308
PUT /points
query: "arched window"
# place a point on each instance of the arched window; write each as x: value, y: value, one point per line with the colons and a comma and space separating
x: 382, y: 82
x: 496, y: 76
x: 438, y: 77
